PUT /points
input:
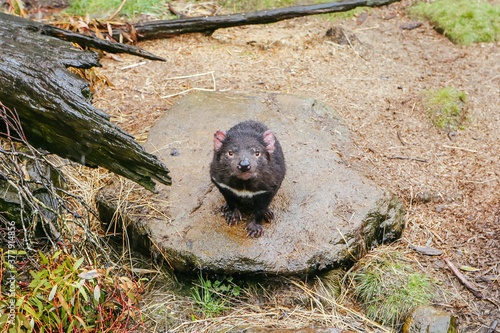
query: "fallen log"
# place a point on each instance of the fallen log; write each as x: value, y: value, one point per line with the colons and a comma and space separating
x: 84, y: 41
x: 54, y: 104
x: 208, y: 24
x: 97, y: 43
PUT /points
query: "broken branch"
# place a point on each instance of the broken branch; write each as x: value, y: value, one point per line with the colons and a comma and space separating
x: 208, y: 24
x: 463, y: 279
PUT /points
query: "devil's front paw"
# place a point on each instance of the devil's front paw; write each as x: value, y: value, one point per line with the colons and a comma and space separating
x: 255, y: 229
x: 233, y: 216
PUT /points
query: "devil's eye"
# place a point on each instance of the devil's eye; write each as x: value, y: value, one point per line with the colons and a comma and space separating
x: 230, y: 153
x: 257, y: 153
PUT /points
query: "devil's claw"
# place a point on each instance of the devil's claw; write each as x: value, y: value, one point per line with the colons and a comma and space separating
x: 255, y: 230
x: 269, y: 216
x: 233, y: 216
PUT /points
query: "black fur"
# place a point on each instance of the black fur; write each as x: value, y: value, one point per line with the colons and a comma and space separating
x: 248, y: 168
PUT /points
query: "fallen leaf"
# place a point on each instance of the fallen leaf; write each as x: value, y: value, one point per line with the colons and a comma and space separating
x: 469, y: 269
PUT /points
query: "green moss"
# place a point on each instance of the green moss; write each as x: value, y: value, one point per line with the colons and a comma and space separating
x: 389, y: 289
x: 348, y: 14
x: 385, y: 223
x: 446, y: 108
x: 105, y: 8
x: 251, y: 5
x: 463, y: 21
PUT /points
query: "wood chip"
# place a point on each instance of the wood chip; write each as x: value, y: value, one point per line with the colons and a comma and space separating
x: 410, y: 25
x: 428, y: 251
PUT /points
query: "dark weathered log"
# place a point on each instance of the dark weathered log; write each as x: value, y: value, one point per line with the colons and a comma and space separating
x: 97, y: 43
x: 54, y: 104
x: 70, y: 36
x: 208, y: 24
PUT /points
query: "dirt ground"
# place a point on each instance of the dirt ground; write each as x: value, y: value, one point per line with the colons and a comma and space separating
x: 450, y: 182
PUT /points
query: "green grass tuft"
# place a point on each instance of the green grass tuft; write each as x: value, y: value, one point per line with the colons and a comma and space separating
x: 389, y: 290
x: 463, y: 21
x: 348, y: 14
x: 105, y: 8
x: 212, y: 298
x: 252, y: 5
x: 446, y: 108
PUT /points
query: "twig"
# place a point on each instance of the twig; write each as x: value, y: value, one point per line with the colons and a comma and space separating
x: 334, y: 44
x: 186, y: 91
x: 367, y: 28
x: 407, y: 158
x: 163, y: 254
x: 438, y: 237
x: 175, y: 11
x: 191, y: 89
x: 400, y: 139
x: 461, y: 148
x: 352, y: 47
x: 492, y: 327
x: 117, y: 11
x: 463, y: 279
x: 249, y: 315
x: 134, y: 65
x: 347, y: 244
x: 480, y: 182
x: 189, y: 76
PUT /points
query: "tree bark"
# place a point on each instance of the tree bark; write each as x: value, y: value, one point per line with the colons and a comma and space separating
x: 54, y: 104
x: 74, y: 37
x: 208, y: 24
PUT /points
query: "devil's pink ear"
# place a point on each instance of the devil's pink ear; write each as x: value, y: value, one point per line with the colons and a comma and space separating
x: 269, y: 140
x: 219, y: 138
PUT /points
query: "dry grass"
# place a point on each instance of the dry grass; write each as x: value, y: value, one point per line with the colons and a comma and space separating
x: 292, y: 304
x: 388, y: 287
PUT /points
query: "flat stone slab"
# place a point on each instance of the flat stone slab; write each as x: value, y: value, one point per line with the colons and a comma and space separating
x: 327, y: 213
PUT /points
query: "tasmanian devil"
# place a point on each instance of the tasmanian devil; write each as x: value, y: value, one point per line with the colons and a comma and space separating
x: 248, y: 168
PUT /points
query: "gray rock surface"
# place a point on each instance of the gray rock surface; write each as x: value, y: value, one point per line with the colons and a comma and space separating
x: 427, y: 319
x: 326, y: 212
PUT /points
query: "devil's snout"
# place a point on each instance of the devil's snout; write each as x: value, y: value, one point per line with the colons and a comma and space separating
x: 244, y: 165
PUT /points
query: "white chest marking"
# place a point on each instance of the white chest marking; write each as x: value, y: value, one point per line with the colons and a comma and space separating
x: 241, y: 193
